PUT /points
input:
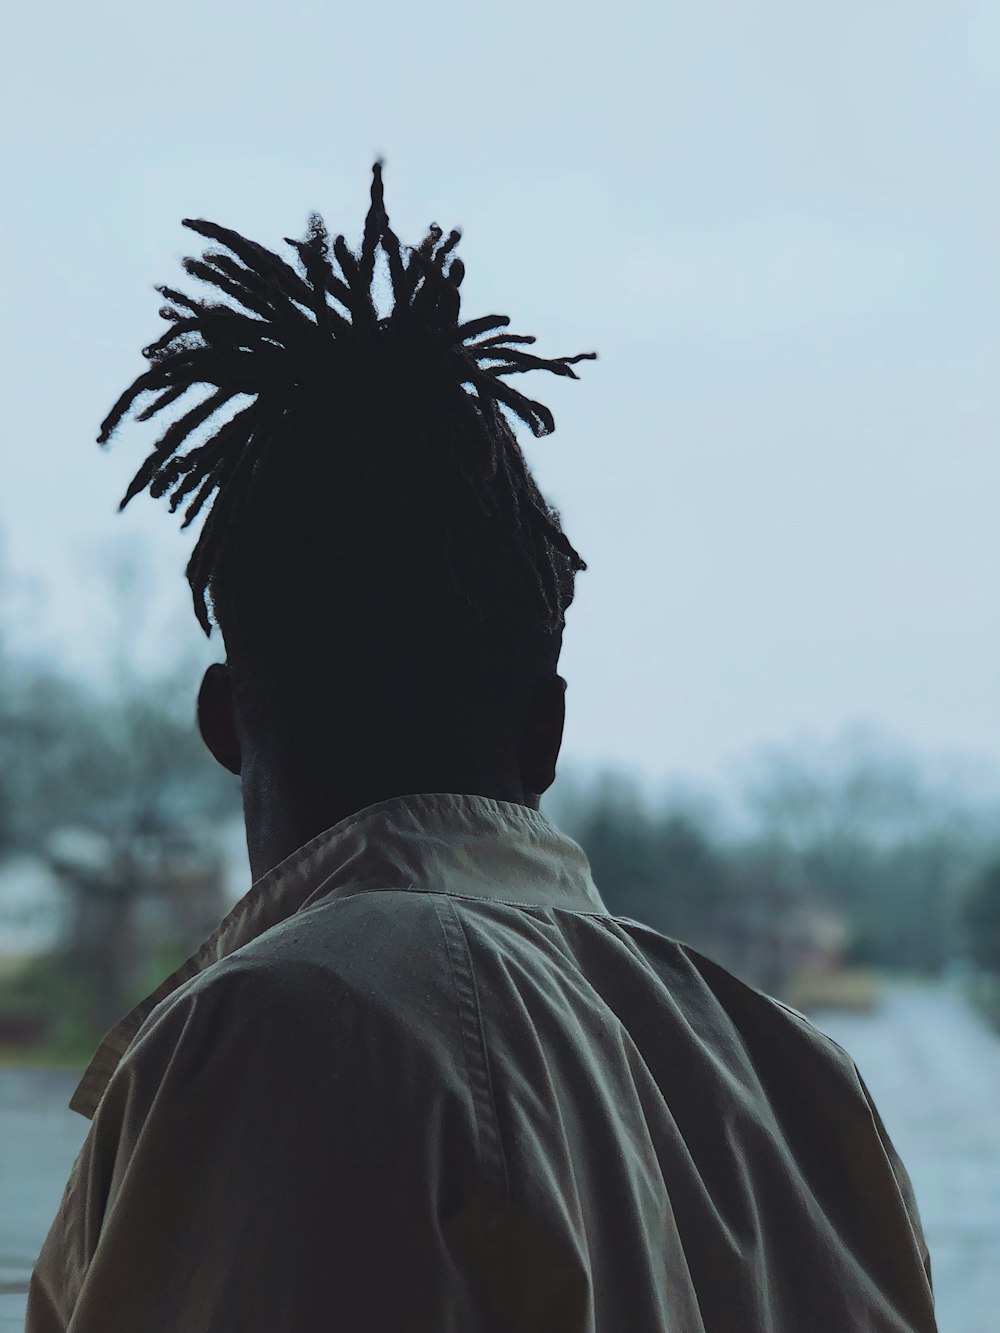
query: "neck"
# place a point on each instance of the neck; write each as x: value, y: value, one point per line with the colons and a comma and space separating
x: 283, y: 812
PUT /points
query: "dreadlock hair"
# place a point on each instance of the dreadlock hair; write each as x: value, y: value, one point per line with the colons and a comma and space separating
x: 370, y: 503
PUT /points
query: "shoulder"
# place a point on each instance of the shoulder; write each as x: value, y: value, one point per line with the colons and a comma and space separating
x: 352, y: 984
x: 777, y: 1048
x: 764, y: 1018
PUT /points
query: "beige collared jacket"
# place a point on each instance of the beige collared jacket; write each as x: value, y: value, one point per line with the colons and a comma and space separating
x: 420, y: 1080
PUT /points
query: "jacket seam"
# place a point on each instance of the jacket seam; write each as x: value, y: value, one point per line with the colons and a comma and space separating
x: 544, y: 906
x: 476, y: 1058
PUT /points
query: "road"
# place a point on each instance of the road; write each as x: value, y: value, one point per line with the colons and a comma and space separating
x: 931, y: 1065
x: 39, y: 1138
x: 933, y: 1070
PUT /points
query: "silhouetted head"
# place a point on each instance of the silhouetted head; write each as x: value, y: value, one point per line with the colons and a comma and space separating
x: 389, y: 582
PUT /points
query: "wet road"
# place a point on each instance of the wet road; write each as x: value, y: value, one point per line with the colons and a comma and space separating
x: 932, y: 1067
x: 39, y: 1138
x: 933, y: 1070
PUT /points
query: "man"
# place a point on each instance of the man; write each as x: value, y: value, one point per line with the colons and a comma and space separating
x: 419, y: 1078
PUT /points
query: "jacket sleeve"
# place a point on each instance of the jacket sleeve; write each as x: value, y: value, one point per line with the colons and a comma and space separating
x: 902, y: 1180
x: 270, y: 1154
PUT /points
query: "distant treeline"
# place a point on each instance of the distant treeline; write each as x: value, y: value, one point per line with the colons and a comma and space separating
x: 859, y: 849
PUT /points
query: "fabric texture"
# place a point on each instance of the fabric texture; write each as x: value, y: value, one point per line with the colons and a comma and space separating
x: 420, y: 1079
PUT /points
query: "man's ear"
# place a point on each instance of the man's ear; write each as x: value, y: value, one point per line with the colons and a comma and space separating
x: 217, y: 717
x: 543, y: 734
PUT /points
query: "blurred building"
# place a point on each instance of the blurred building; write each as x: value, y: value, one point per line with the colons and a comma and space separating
x: 113, y: 913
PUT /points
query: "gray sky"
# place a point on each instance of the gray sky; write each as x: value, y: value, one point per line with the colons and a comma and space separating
x: 778, y: 224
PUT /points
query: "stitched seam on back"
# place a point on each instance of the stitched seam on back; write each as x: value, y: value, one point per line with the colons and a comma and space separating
x: 481, y: 1087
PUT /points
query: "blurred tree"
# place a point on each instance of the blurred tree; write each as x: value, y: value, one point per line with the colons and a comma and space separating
x: 875, y: 836
x: 612, y: 826
x: 695, y: 886
x: 664, y: 870
x: 860, y: 840
x: 981, y: 917
x: 121, y: 764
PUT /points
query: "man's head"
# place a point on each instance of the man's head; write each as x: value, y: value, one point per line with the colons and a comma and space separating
x: 389, y: 582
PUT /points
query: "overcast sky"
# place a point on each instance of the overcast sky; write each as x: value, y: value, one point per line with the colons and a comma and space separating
x: 777, y: 224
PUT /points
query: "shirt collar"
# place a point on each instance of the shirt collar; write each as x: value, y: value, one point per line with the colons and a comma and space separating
x: 471, y: 846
